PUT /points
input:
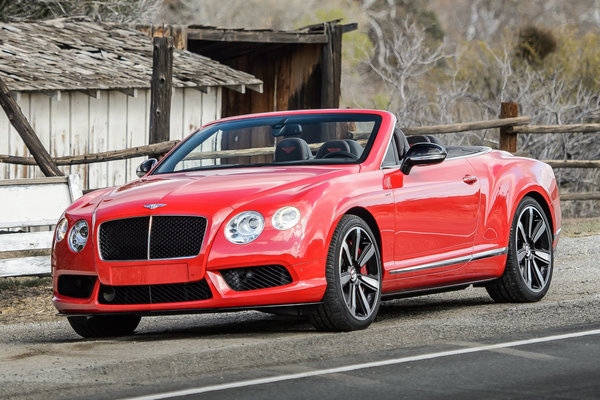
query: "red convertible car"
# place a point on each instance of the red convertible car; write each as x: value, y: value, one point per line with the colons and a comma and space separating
x: 323, y: 212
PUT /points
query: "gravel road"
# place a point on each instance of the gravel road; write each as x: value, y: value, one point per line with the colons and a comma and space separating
x: 45, y: 359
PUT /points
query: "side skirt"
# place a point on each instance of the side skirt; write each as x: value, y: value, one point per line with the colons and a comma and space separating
x: 422, y: 291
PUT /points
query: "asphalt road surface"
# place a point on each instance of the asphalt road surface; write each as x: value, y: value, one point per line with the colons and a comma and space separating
x: 452, y: 345
x: 554, y: 367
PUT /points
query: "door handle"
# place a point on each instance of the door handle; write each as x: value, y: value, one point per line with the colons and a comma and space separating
x: 470, y: 179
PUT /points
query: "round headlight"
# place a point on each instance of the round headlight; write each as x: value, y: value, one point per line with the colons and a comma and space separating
x: 78, y: 236
x: 61, y: 229
x: 285, y: 218
x: 244, y: 227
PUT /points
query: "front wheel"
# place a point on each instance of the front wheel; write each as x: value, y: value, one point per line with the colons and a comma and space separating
x: 104, y: 325
x: 353, y: 273
x: 529, y: 263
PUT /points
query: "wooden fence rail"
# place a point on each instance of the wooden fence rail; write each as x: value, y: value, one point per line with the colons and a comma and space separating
x: 510, y: 127
x: 132, y: 152
x: 467, y: 126
x: 542, y: 129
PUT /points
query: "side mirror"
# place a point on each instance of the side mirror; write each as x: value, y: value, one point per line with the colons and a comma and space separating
x: 421, y: 154
x: 145, y: 167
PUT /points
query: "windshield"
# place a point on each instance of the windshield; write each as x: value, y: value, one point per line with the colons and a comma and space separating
x: 342, y: 138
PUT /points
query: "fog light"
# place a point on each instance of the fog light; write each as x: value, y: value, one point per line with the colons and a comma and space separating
x: 109, y: 294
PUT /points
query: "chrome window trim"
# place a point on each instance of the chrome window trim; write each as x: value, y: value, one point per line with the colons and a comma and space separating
x: 452, y: 261
x: 381, y: 167
x: 149, y: 231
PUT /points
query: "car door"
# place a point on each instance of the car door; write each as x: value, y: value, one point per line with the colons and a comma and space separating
x: 436, y: 211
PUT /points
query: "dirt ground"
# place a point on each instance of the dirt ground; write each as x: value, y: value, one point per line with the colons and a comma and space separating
x: 28, y: 299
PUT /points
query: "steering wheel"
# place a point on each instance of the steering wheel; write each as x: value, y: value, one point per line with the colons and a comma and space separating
x: 340, y: 153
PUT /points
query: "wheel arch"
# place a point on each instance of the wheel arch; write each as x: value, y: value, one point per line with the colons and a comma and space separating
x: 366, y: 216
x: 509, y: 180
x: 543, y: 202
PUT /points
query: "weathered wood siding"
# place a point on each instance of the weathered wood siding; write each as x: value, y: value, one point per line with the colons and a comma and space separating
x: 76, y: 124
x: 291, y: 81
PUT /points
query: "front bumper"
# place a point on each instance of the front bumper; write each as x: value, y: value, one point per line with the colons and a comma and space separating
x: 308, y: 286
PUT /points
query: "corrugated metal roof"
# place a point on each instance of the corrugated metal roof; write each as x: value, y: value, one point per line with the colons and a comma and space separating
x: 72, y: 54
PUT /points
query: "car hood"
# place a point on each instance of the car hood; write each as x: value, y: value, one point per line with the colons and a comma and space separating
x: 210, y: 191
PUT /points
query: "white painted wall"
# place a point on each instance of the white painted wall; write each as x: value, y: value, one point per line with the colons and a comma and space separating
x: 78, y: 124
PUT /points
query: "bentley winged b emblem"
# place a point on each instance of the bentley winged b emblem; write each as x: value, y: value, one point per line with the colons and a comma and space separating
x: 154, y: 205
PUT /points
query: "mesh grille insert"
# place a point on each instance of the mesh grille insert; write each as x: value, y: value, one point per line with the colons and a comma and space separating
x: 124, y: 239
x: 170, y: 237
x: 252, y: 278
x: 174, y: 237
x: 154, y: 294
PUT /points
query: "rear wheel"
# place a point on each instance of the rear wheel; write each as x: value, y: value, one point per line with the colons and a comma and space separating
x: 104, y: 325
x: 528, y: 271
x: 353, y: 273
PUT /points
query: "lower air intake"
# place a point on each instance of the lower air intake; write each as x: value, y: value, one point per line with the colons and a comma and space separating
x: 77, y: 286
x: 154, y: 294
x: 252, y: 278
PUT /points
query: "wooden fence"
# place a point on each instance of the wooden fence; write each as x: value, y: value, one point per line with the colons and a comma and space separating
x: 510, y: 125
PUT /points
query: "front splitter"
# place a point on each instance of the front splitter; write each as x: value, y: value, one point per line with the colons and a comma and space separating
x: 303, y: 309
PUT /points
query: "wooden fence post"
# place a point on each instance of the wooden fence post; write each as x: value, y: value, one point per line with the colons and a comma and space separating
x: 331, y: 66
x: 160, y: 100
x: 508, y: 139
x: 20, y: 123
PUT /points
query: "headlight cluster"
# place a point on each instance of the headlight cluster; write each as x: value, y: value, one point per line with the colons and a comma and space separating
x: 244, y: 227
x: 248, y: 225
x: 61, y: 229
x: 78, y: 236
x: 285, y: 218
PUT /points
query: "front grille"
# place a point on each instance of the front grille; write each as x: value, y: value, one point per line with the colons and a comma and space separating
x: 154, y: 294
x: 170, y: 237
x: 252, y: 278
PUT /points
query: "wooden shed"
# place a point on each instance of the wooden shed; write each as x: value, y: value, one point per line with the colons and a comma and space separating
x: 300, y: 69
x: 85, y: 88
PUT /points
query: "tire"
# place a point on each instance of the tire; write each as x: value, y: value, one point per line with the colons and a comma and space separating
x: 104, y: 325
x: 353, y: 274
x: 530, y: 258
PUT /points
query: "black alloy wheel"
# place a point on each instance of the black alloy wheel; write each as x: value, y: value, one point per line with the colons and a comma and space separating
x: 353, y: 273
x: 530, y: 259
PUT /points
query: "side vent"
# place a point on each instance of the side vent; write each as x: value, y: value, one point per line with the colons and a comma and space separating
x: 252, y: 278
x: 77, y: 286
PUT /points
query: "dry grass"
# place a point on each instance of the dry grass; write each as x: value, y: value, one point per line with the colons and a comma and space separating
x: 576, y: 227
x: 26, y: 299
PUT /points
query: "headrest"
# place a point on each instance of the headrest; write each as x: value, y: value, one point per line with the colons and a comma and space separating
x: 332, y: 146
x: 435, y: 140
x: 292, y: 149
x: 355, y: 148
x: 417, y: 139
x: 403, y: 145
